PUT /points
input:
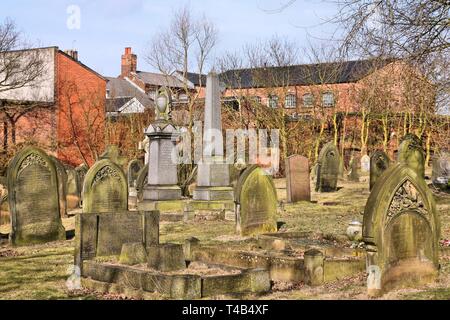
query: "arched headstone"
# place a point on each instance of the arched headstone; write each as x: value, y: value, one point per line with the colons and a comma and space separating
x: 327, y: 168
x: 256, y: 202
x: 34, y: 198
x: 401, y: 230
x: 379, y: 162
x: 410, y: 152
x: 297, y: 179
x: 105, y: 188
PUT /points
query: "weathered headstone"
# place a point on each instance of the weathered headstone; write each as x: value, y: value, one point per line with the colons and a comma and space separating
x: 353, y: 174
x: 327, y: 168
x: 73, y: 189
x: 33, y: 198
x: 105, y: 188
x: 379, y: 162
x: 297, y: 179
x: 141, y: 182
x: 62, y: 186
x: 401, y: 231
x: 365, y: 163
x: 134, y: 167
x: 81, y: 171
x: 411, y: 153
x: 213, y: 176
x: 256, y: 202
x: 441, y: 171
x: 162, y: 173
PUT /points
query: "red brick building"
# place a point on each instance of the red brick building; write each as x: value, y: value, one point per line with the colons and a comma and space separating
x: 64, y: 109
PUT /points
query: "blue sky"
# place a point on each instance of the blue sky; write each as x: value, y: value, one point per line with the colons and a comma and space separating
x: 107, y: 26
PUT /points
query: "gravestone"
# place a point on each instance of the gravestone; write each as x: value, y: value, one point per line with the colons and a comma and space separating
x: 34, y: 198
x: 213, y: 175
x: 141, y: 182
x: 256, y: 202
x: 134, y: 167
x: 365, y: 163
x: 62, y: 186
x: 112, y: 153
x: 401, y: 231
x: 379, y: 162
x: 73, y: 190
x: 353, y: 174
x: 105, y: 188
x: 81, y: 171
x: 411, y: 153
x: 327, y: 168
x: 441, y: 171
x: 162, y: 173
x: 297, y: 179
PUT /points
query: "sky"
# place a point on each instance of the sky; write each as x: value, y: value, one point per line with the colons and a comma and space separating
x: 105, y: 27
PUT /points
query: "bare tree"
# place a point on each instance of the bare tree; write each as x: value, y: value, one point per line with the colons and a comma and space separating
x: 19, y: 68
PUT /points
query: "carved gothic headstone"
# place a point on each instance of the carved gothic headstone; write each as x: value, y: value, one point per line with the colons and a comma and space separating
x: 297, y: 179
x: 411, y: 153
x: 379, y: 162
x: 105, y: 188
x: 401, y: 230
x: 33, y: 194
x: 327, y: 168
x: 256, y: 202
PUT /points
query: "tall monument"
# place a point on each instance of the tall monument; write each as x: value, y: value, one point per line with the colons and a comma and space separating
x: 162, y: 171
x: 213, y: 177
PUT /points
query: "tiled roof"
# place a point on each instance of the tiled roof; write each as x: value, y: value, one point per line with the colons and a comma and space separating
x: 121, y: 91
x: 158, y: 79
x: 194, y: 78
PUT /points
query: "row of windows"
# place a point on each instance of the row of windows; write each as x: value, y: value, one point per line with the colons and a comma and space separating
x: 290, y: 100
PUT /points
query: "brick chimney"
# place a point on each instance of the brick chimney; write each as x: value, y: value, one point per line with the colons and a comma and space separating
x: 129, y: 63
x: 72, y: 53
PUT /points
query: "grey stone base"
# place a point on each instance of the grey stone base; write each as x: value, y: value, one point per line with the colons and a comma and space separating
x: 162, y: 192
x: 213, y: 193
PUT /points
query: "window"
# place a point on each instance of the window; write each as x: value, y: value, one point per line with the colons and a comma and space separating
x: 257, y: 99
x: 273, y: 101
x: 290, y: 101
x: 308, y: 100
x: 328, y: 99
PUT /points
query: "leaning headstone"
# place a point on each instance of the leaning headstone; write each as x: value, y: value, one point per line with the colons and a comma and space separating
x: 105, y: 188
x: 62, y: 186
x: 256, y: 202
x: 379, y: 162
x: 213, y: 175
x: 441, y: 171
x: 353, y: 174
x: 327, y: 168
x: 401, y: 231
x: 297, y: 179
x: 365, y: 163
x: 411, y: 153
x: 134, y: 167
x: 33, y: 198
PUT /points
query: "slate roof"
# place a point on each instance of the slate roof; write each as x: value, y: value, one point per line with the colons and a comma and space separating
x: 121, y: 91
x: 304, y: 74
x: 158, y: 79
x: 194, y: 78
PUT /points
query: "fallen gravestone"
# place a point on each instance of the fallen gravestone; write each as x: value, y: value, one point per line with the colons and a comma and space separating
x: 256, y: 202
x: 33, y: 198
x: 105, y: 188
x: 401, y: 231
x: 297, y: 179
x: 379, y: 162
x: 327, y: 168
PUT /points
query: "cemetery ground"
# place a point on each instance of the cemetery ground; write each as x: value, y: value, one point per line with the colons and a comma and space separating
x: 41, y: 271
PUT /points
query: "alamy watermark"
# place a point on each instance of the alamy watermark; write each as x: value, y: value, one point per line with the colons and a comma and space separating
x: 73, y: 21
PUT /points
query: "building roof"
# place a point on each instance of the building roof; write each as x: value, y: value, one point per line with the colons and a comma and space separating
x: 121, y: 91
x: 304, y: 74
x: 194, y: 78
x: 158, y: 79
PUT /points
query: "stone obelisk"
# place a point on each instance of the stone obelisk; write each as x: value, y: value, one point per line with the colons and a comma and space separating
x: 213, y: 177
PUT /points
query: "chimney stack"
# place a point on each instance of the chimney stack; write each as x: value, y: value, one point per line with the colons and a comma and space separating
x: 129, y: 63
x: 72, y: 53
